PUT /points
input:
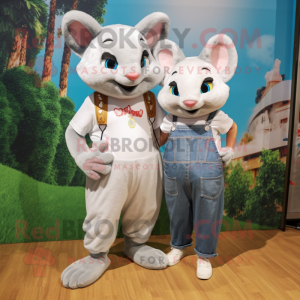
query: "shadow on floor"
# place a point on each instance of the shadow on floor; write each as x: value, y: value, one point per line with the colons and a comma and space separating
x: 231, y: 248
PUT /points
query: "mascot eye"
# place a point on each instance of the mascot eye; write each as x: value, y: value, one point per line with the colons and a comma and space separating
x: 145, y: 61
x: 174, y: 90
x: 206, y: 87
x: 111, y: 64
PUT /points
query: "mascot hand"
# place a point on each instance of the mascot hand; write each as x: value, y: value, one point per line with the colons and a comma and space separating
x: 226, y: 154
x: 95, y: 160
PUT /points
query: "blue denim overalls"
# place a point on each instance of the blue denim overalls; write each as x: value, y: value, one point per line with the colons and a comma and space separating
x: 194, y: 187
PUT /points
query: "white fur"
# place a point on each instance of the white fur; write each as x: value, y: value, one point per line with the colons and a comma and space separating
x: 190, y: 76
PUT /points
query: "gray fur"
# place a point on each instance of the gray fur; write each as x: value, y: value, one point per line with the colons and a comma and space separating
x: 151, y: 20
x: 89, y: 22
x: 128, y: 56
x: 145, y: 256
x: 91, y: 68
x: 94, y: 169
x: 85, y: 271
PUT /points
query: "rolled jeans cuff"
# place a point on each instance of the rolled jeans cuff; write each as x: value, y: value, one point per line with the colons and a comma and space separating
x: 205, y: 255
x: 180, y: 247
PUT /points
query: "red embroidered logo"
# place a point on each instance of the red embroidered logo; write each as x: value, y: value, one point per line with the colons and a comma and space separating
x: 127, y: 110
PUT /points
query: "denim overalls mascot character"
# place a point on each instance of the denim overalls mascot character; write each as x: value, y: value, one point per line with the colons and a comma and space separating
x: 193, y: 92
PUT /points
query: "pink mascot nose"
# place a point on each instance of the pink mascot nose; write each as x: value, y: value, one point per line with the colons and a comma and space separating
x: 190, y: 103
x: 133, y: 76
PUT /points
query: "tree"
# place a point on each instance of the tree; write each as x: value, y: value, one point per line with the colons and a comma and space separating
x: 19, y: 20
x: 15, y: 17
x: 268, y: 191
x: 35, y: 41
x: 5, y: 47
x: 237, y: 192
x: 64, y: 72
x: 22, y: 60
x: 92, y: 7
x: 59, y: 7
x: 247, y: 138
x: 49, y: 43
x: 8, y: 126
x: 13, y: 60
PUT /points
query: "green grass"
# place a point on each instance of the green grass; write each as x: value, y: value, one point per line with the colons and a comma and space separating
x: 40, y: 205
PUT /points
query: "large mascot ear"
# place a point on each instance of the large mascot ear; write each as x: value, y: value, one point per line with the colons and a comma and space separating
x: 79, y: 29
x: 220, y: 51
x: 154, y: 28
x: 168, y: 54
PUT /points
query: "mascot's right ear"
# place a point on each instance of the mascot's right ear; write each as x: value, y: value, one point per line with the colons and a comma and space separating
x: 154, y: 27
x: 79, y: 29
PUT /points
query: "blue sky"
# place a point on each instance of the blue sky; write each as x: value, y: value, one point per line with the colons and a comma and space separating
x: 273, y: 20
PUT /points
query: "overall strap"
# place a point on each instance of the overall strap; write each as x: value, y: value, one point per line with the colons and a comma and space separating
x: 174, y: 121
x: 101, y: 107
x: 211, y: 116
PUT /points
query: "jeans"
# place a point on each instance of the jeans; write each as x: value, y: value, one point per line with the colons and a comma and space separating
x: 194, y: 188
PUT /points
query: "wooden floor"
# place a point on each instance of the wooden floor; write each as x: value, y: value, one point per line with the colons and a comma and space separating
x: 263, y: 266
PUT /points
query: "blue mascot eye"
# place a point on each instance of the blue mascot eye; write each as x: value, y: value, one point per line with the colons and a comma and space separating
x: 206, y: 87
x: 174, y: 90
x: 111, y: 64
x: 144, y: 61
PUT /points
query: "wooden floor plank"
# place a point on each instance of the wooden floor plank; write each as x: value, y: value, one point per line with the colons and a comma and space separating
x: 251, y: 265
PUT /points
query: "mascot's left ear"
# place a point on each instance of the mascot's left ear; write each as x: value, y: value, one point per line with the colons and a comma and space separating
x: 154, y: 27
x: 79, y: 29
x: 220, y: 51
x: 168, y: 55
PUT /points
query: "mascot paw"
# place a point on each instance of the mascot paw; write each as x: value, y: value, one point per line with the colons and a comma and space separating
x: 84, y: 272
x: 226, y: 154
x: 146, y: 256
x: 95, y: 161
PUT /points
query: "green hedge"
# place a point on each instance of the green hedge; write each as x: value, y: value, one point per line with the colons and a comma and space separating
x: 64, y: 164
x: 33, y: 120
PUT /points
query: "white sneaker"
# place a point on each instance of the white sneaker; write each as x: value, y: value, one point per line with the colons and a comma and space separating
x: 204, y: 268
x: 175, y: 255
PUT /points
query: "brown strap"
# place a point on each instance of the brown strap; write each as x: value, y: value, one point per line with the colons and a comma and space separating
x: 150, y: 103
x: 101, y: 106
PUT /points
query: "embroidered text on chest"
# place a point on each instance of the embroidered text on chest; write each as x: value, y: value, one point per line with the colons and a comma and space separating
x: 127, y: 110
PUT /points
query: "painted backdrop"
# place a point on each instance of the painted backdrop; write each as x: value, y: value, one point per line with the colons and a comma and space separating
x: 42, y: 190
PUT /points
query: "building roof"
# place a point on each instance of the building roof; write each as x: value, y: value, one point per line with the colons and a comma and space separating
x: 266, y: 139
x: 279, y: 92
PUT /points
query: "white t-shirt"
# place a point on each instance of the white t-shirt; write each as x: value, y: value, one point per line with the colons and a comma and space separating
x: 129, y: 133
x: 220, y: 124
